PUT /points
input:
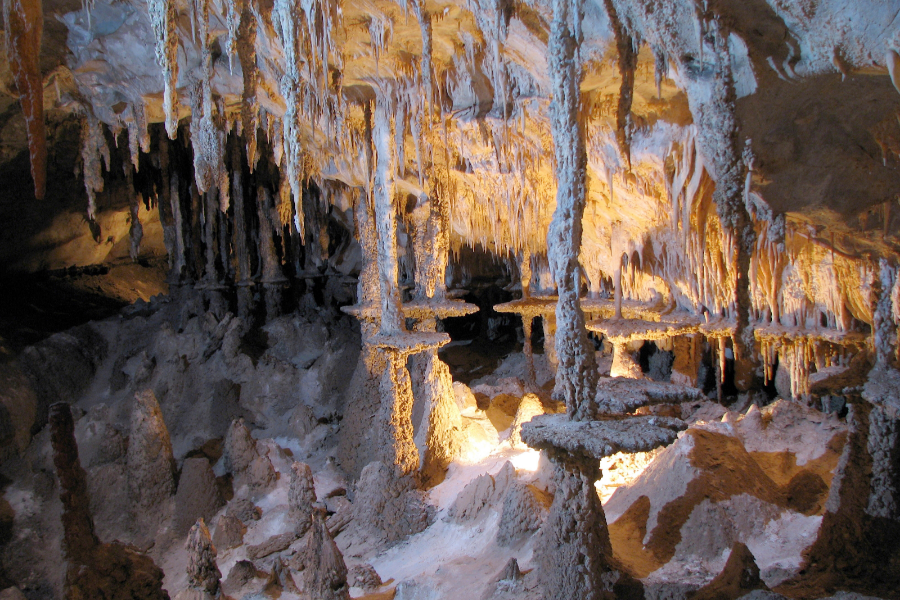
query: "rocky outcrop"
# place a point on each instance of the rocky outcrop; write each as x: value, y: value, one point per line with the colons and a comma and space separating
x: 149, y: 463
x: 364, y: 577
x: 858, y: 543
x: 739, y: 577
x: 522, y: 513
x: 197, y: 495
x: 529, y: 407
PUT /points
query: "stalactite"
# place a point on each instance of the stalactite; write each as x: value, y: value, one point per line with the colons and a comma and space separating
x: 138, y: 134
x: 163, y: 18
x: 246, y: 49
x: 93, y: 145
x: 626, y: 47
x: 305, y: 32
x: 577, y: 365
x: 23, y: 22
x: 234, y: 10
x: 207, y: 131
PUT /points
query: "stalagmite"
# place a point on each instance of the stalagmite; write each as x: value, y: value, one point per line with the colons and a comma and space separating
x: 360, y: 444
x: 302, y: 497
x: 884, y: 329
x: 150, y: 463
x: 574, y: 558
x: 23, y: 21
x: 577, y: 369
x: 94, y: 570
x: 203, y: 573
x: 325, y: 575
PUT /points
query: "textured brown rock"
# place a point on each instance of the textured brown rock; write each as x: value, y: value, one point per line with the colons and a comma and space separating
x: 389, y: 508
x: 441, y: 426
x: 243, y: 459
x: 229, y: 532
x: 197, y: 495
x: 529, y: 407
x: 203, y: 573
x: 522, y: 513
x: 739, y: 577
x: 301, y: 497
x: 274, y: 544
x: 858, y: 544
x: 325, y: 574
x: 574, y: 555
x: 364, y: 577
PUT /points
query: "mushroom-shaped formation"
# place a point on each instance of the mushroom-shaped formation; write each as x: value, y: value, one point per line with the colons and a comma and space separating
x: 616, y: 395
x: 528, y: 308
x: 621, y: 332
x: 395, y: 414
x: 574, y: 557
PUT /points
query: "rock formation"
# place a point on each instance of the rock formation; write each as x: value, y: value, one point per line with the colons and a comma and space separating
x: 95, y: 570
x: 244, y: 202
x: 203, y: 574
x: 150, y: 464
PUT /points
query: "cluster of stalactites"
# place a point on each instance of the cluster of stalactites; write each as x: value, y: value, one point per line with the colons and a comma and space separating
x: 305, y: 30
x: 23, y: 21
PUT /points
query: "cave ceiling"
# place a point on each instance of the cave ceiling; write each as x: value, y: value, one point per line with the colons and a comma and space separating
x: 817, y: 109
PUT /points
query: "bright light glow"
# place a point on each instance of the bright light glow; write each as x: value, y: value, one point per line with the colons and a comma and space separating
x: 527, y: 461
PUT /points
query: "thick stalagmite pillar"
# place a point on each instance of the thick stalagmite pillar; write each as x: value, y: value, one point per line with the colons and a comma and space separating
x: 577, y: 366
x: 576, y: 531
x: 440, y: 424
x: 396, y: 391
x: 884, y: 331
